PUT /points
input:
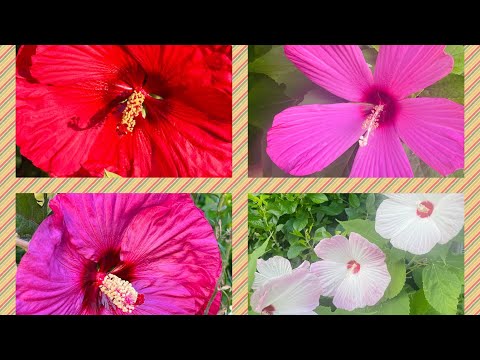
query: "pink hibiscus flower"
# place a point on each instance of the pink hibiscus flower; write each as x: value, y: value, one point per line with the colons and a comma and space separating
x: 306, y: 139
x: 352, y: 271
x: 120, y: 254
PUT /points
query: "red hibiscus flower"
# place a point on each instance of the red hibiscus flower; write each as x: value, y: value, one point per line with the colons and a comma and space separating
x: 137, y: 111
x: 116, y: 254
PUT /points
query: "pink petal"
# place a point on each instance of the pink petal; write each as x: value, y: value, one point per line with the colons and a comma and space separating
x: 163, y: 296
x: 336, y: 248
x: 340, y: 69
x: 274, y: 267
x: 434, y: 130
x: 49, y: 276
x: 405, y: 69
x: 297, y: 293
x: 365, y: 252
x: 177, y: 243
x: 331, y: 275
x: 383, y: 156
x: 306, y: 139
x: 365, y: 288
x: 96, y: 222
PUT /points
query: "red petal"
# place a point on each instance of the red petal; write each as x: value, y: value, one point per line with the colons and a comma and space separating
x: 56, y: 129
x: 187, y: 142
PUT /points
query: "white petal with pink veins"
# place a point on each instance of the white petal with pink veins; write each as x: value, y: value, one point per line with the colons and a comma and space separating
x: 394, y: 215
x: 363, y: 251
x: 297, y: 293
x: 419, y: 237
x: 335, y: 248
x: 270, y: 269
x: 449, y: 216
x: 331, y: 275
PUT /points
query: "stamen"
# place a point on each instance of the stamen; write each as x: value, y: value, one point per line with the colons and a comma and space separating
x: 121, y: 293
x: 370, y: 124
x: 132, y: 110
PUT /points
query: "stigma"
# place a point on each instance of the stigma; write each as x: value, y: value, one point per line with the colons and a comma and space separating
x: 370, y: 124
x: 353, y: 266
x: 120, y: 293
x: 131, y: 111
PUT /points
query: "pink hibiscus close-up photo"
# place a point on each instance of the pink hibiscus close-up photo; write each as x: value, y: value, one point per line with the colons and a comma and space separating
x: 120, y: 254
x: 352, y: 271
x: 379, y: 113
x: 132, y: 110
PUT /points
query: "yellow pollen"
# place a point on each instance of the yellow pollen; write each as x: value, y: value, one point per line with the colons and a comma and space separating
x: 370, y: 124
x: 133, y: 109
x: 422, y: 208
x: 120, y: 292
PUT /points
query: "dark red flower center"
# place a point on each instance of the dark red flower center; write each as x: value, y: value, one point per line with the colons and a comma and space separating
x: 383, y: 111
x: 353, y: 266
x: 268, y: 310
x: 425, y: 209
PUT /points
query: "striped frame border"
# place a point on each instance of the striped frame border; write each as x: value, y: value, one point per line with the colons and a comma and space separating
x: 240, y: 185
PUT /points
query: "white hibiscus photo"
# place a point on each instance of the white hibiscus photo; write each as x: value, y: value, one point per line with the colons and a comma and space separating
x: 356, y: 254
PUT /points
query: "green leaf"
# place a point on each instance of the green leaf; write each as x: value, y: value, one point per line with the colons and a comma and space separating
x: 366, y: 228
x: 353, y: 200
x: 417, y: 277
x: 442, y: 288
x: 450, y: 87
x: 321, y: 233
x: 300, y: 223
x: 370, y: 55
x: 29, y: 214
x: 376, y: 47
x: 370, y: 203
x: 294, y: 251
x: 40, y: 197
x: 335, y: 208
x: 288, y: 207
x: 419, y: 304
x: 397, y: 270
x: 456, y: 265
x: 265, y: 99
x: 457, y: 52
x: 109, y: 174
x: 275, y: 64
x: 255, y: 51
x: 252, y: 262
x: 256, y: 222
x: 319, y: 96
x: 318, y: 198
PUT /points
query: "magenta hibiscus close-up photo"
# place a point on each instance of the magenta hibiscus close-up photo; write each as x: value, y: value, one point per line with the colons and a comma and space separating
x: 120, y: 254
x: 378, y: 114
x: 131, y: 110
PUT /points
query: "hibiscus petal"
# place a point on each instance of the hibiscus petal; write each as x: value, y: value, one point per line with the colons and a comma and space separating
x: 129, y: 155
x: 405, y: 69
x: 449, y: 216
x: 340, y: 69
x: 56, y: 129
x: 177, y: 242
x: 382, y: 157
x: 187, y: 142
x: 49, y: 277
x: 306, y: 139
x: 396, y: 214
x: 365, y: 252
x: 274, y: 267
x: 336, y: 249
x: 331, y: 275
x: 297, y: 293
x: 419, y: 237
x: 434, y: 130
x: 163, y: 296
x: 96, y: 222
x: 102, y: 69
x: 365, y: 288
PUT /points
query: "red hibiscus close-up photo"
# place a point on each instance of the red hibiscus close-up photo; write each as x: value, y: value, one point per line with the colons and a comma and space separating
x: 131, y: 110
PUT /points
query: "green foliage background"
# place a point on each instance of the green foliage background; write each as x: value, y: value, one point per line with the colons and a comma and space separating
x: 275, y: 84
x: 291, y: 225
x: 32, y: 209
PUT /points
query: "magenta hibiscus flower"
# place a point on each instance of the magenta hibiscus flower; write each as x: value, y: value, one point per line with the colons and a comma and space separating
x: 120, y: 254
x: 306, y: 139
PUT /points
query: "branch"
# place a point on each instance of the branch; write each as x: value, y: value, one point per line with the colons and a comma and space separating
x: 21, y: 243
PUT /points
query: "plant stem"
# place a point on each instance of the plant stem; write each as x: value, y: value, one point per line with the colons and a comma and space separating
x: 21, y: 243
